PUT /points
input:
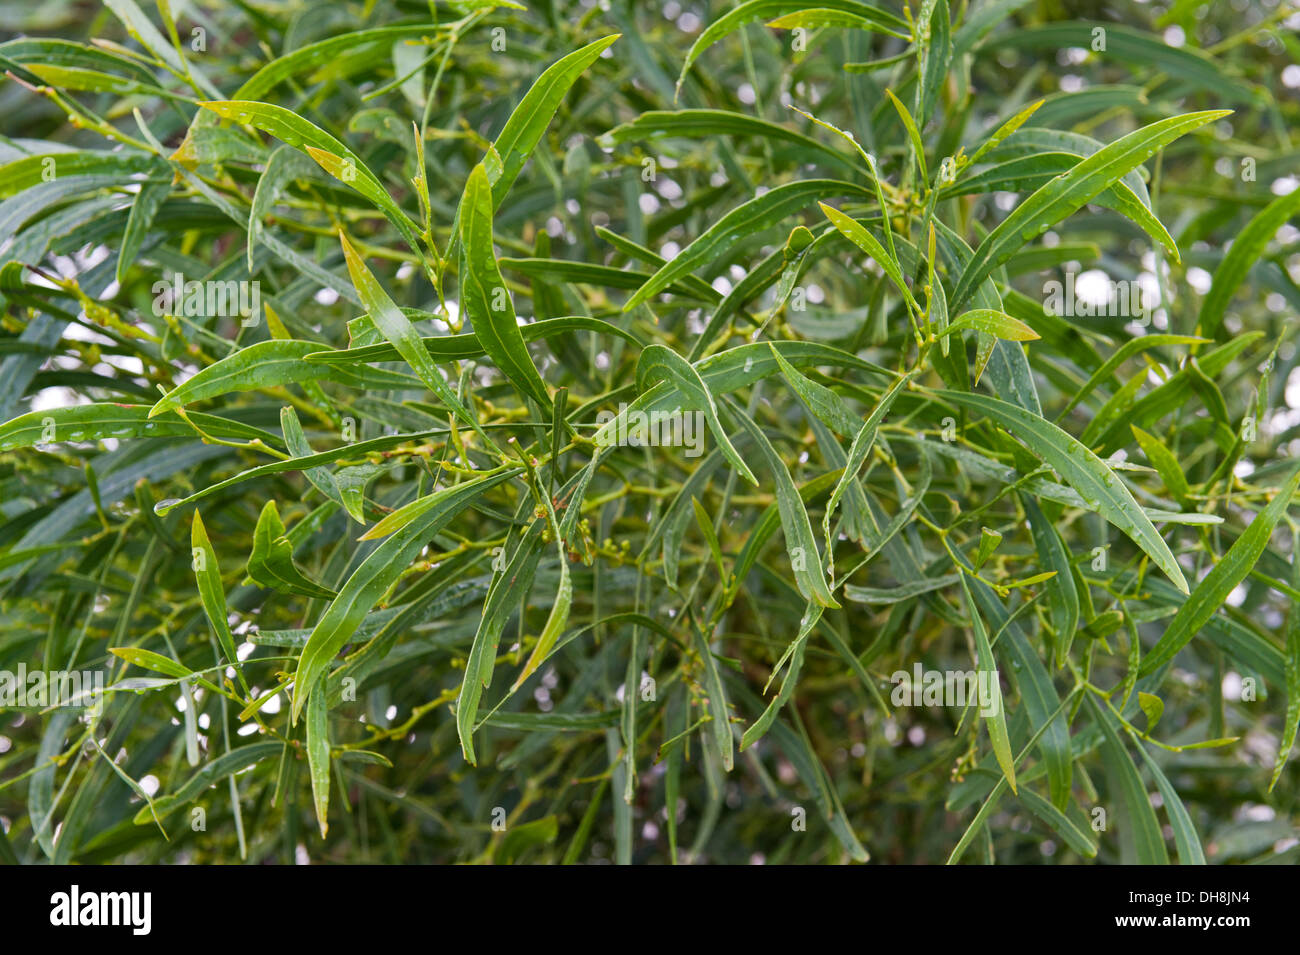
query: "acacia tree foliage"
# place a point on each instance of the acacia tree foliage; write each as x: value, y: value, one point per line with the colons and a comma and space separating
x: 373, y: 575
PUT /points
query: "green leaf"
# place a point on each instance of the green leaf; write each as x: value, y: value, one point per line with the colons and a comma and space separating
x: 1139, y: 830
x: 795, y: 654
x: 318, y: 758
x: 376, y: 574
x: 392, y: 322
x: 22, y: 174
x: 485, y: 298
x: 1290, y: 722
x: 996, y: 721
x: 993, y: 322
x: 465, y: 346
x: 660, y: 363
x: 856, y: 233
x: 332, y: 155
x: 1082, y: 470
x: 227, y: 764
x: 1062, y: 593
x: 706, y: 123
x: 761, y: 212
x: 1153, y: 707
x: 212, y: 593
x: 1069, y: 192
x: 1122, y: 354
x: 824, y: 403
x: 1247, y: 248
x: 801, y: 546
x: 1073, y: 831
x: 373, y: 45
x: 96, y: 422
x: 270, y: 364
x: 510, y: 584
x: 752, y: 10
x: 559, y: 615
x: 147, y: 202
x: 716, y: 701
x: 1127, y: 45
x: 858, y: 451
x: 284, y: 165
x: 271, y: 562
x: 1186, y: 839
x: 1211, y: 593
x: 527, y: 123
x: 151, y: 661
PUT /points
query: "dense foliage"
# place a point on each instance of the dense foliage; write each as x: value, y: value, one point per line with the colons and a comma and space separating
x: 957, y: 335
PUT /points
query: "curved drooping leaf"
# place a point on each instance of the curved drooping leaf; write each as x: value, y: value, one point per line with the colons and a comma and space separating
x: 801, y: 546
x: 1082, y: 470
x: 391, y: 321
x: 751, y: 10
x: 376, y: 574
x: 706, y: 123
x: 1211, y: 593
x: 745, y: 220
x: 271, y: 364
x: 486, y: 299
x: 1069, y: 191
x: 659, y: 363
x: 466, y: 345
x: 335, y: 157
x: 1244, y: 253
x: 97, y: 422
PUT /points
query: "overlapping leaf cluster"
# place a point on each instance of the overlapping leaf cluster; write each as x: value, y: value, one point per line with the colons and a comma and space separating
x: 374, y: 575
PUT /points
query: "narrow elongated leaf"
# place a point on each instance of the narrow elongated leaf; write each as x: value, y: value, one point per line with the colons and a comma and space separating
x: 390, y: 320
x: 1211, y: 593
x: 993, y: 322
x: 227, y: 764
x: 745, y: 220
x: 996, y: 720
x: 508, y: 588
x: 270, y: 364
x: 318, y: 758
x: 719, y: 709
x: 212, y: 592
x: 1291, y: 721
x: 527, y: 123
x: 333, y: 156
x: 1139, y: 833
x: 1062, y: 594
x: 857, y: 233
x: 484, y: 295
x: 376, y: 574
x: 801, y: 546
x: 706, y: 123
x: 1069, y: 191
x: 96, y: 422
x: 752, y: 10
x: 1082, y: 470
x: 1244, y: 253
x: 658, y: 363
x: 858, y: 451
